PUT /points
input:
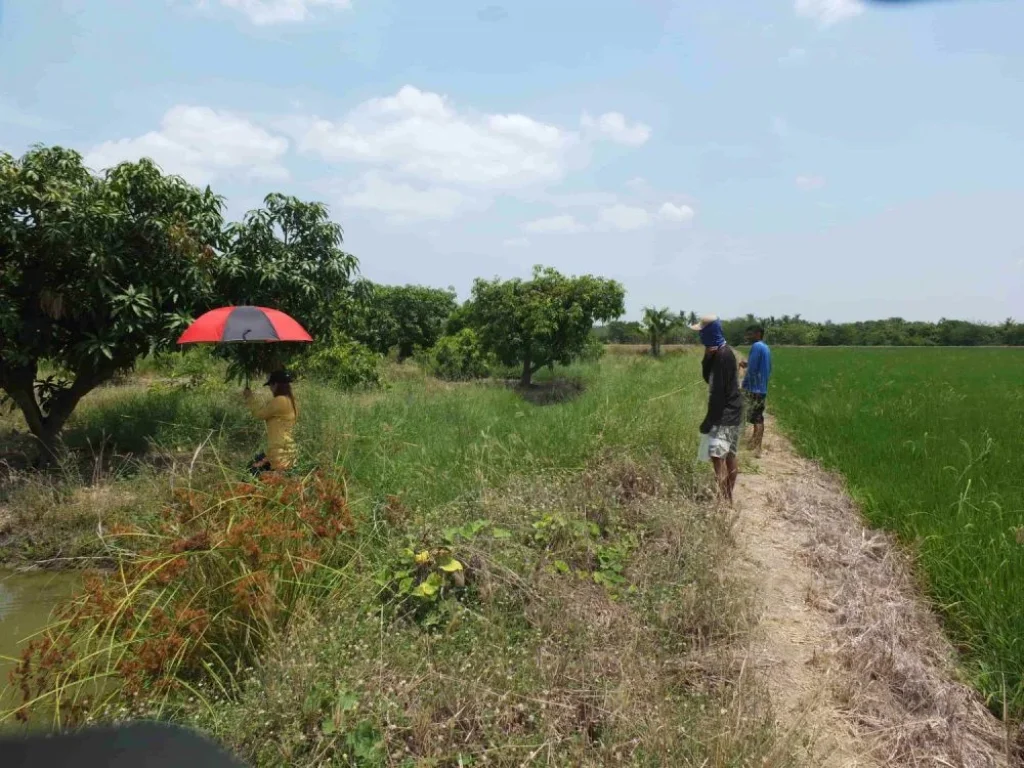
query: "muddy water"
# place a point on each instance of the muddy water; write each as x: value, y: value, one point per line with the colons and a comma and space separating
x: 26, y: 600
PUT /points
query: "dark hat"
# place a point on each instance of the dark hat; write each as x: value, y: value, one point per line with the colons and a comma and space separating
x: 278, y: 377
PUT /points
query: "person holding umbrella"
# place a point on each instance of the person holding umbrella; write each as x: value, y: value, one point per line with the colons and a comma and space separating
x: 280, y: 414
x: 259, y: 325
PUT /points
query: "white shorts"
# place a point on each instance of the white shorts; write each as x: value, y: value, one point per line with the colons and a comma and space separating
x: 723, y: 441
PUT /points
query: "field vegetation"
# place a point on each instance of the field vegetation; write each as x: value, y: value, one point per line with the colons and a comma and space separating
x: 929, y: 441
x: 496, y: 547
x: 457, y: 575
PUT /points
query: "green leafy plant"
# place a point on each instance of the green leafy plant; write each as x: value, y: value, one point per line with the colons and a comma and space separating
x: 459, y: 357
x: 348, y: 365
x: 419, y: 579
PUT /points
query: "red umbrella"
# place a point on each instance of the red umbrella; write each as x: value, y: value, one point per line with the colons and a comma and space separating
x: 244, y: 324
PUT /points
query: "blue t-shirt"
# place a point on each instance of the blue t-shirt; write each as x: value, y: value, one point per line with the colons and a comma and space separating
x: 759, y: 369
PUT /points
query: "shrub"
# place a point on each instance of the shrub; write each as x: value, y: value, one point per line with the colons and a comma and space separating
x: 219, y: 576
x: 459, y: 357
x: 348, y: 365
x: 593, y: 350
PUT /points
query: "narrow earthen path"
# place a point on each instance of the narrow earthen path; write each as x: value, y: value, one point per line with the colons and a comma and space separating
x: 856, y: 664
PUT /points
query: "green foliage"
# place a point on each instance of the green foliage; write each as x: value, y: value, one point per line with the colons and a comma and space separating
x: 286, y: 255
x: 347, y: 365
x: 656, y: 323
x: 96, y: 271
x: 402, y: 317
x: 194, y: 364
x: 895, y: 331
x: 793, y: 330
x: 593, y: 350
x: 459, y: 358
x: 540, y: 322
x: 418, y: 581
x: 929, y: 442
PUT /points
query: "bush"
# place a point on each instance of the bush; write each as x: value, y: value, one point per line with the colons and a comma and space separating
x: 348, y: 365
x: 194, y: 364
x: 219, y: 576
x: 459, y: 357
x: 593, y: 350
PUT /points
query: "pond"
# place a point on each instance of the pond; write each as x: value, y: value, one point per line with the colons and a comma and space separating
x: 26, y: 600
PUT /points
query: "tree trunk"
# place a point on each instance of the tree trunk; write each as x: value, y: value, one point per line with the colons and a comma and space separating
x: 527, y: 375
x: 655, y: 344
x: 47, y: 427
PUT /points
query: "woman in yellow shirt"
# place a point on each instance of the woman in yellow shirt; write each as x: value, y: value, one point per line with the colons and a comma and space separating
x: 280, y: 414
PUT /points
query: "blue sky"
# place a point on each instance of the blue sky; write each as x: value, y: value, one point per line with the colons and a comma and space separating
x: 837, y: 159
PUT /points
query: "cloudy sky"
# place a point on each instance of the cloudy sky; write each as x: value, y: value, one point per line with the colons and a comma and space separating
x: 837, y: 159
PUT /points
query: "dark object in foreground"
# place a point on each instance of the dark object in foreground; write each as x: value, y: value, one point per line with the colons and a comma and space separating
x: 138, y: 745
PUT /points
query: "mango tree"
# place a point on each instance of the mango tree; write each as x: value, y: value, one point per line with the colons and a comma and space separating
x: 540, y: 322
x: 94, y: 272
x: 286, y: 255
x: 405, y: 317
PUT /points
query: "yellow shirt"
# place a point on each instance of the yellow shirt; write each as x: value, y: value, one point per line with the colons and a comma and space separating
x: 280, y: 417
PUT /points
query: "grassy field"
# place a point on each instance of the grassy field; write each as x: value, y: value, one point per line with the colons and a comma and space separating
x: 931, y: 442
x: 468, y: 576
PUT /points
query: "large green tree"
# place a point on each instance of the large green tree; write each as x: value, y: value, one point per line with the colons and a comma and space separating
x: 94, y: 272
x: 403, y: 317
x: 286, y: 255
x: 546, y: 320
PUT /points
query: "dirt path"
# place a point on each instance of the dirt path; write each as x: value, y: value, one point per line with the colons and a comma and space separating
x: 857, y: 667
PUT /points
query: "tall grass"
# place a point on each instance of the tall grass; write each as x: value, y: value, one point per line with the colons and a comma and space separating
x: 930, y: 442
x: 516, y: 581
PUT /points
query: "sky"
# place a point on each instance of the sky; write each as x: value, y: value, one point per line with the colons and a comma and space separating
x: 839, y: 159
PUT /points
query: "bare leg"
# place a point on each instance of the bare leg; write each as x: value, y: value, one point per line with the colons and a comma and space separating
x: 732, y: 469
x: 722, y: 476
x: 757, y: 438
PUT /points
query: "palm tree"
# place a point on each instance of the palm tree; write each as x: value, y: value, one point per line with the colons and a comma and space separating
x: 656, y: 323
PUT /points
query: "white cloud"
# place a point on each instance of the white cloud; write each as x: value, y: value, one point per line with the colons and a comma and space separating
x: 422, y: 135
x: 808, y: 182
x: 615, y: 127
x: 677, y: 213
x: 570, y: 199
x: 793, y: 56
x: 266, y: 12
x: 404, y: 202
x: 201, y: 145
x: 624, y: 217
x: 563, y: 224
x: 516, y: 242
x: 828, y: 12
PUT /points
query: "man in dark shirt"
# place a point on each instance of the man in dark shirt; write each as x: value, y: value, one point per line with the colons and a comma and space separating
x: 722, y: 423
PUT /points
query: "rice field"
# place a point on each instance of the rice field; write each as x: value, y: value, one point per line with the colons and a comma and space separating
x: 931, y: 443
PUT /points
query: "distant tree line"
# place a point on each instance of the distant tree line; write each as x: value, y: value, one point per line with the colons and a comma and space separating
x: 795, y: 330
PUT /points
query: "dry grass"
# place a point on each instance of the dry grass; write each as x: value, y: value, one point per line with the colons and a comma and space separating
x: 899, y: 679
x: 545, y: 666
x: 645, y: 349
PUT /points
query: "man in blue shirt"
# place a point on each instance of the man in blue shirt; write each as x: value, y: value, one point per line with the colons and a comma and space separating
x: 755, y: 383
